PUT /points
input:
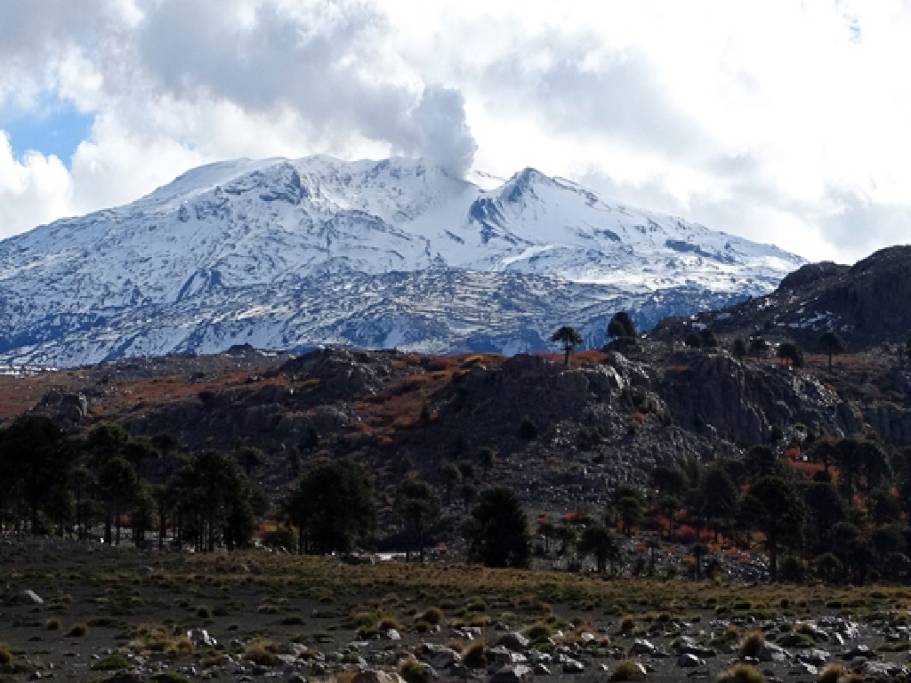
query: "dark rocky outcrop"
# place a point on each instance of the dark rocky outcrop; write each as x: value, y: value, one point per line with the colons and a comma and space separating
x: 743, y: 402
x: 867, y: 304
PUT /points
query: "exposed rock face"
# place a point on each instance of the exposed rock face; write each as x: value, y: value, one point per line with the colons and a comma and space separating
x: 68, y: 410
x: 342, y: 373
x: 867, y: 304
x: 744, y: 402
x: 493, y: 401
x: 558, y: 433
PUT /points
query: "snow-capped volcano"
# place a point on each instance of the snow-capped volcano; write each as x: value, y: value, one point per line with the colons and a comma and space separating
x: 285, y: 253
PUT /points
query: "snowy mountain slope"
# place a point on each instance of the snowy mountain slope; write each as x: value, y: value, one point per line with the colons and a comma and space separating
x: 283, y: 252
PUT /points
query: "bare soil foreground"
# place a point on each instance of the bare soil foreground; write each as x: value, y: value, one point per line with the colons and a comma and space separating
x: 77, y: 613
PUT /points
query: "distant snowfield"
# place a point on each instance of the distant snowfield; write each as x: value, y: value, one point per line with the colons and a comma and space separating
x: 282, y: 253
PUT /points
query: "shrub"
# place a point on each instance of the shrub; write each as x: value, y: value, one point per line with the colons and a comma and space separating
x: 52, y: 624
x: 6, y: 657
x: 114, y: 662
x: 793, y: 570
x: 474, y: 656
x: 528, y: 430
x: 742, y: 673
x: 627, y: 670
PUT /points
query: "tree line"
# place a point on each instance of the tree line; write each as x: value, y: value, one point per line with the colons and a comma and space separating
x: 97, y: 485
x: 81, y: 487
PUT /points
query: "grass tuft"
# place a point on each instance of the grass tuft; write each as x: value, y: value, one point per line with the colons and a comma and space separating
x: 627, y: 670
x: 742, y: 673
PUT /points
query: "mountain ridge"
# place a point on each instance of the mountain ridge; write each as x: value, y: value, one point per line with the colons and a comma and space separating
x: 256, y: 245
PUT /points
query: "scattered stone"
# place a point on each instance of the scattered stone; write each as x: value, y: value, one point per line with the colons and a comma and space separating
x: 771, y: 652
x: 512, y: 673
x: 201, y: 638
x: 859, y: 651
x: 376, y: 676
x: 572, y: 666
x: 439, y: 656
x: 515, y: 641
x: 30, y: 597
x: 641, y: 646
x: 814, y: 656
x: 690, y: 661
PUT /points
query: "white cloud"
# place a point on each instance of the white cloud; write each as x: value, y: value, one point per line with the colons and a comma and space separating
x: 34, y: 189
x: 777, y: 120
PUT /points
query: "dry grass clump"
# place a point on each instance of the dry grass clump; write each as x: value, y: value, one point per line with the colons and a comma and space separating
x: 414, y: 671
x: 836, y: 673
x: 52, y: 624
x: 6, y: 657
x: 363, y: 619
x: 389, y: 622
x: 474, y: 655
x: 432, y: 616
x: 538, y: 631
x: 147, y: 639
x: 742, y: 673
x: 752, y: 644
x: 77, y: 631
x: 627, y: 625
x: 261, y: 651
x: 726, y: 638
x: 627, y: 670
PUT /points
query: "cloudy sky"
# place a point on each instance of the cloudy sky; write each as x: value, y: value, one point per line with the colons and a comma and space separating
x: 786, y: 122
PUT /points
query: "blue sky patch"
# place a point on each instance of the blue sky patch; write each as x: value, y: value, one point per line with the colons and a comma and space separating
x: 57, y: 128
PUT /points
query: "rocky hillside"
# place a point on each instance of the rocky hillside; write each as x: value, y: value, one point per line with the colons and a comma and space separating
x: 866, y: 304
x: 560, y: 435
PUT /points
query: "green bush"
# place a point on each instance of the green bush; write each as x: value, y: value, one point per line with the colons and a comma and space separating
x: 114, y: 662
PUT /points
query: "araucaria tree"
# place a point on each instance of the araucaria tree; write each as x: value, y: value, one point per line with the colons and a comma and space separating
x: 332, y: 508
x: 569, y: 338
x: 599, y: 542
x: 497, y: 531
x: 418, y: 506
x: 621, y: 325
x: 779, y: 512
x: 831, y: 345
x: 790, y: 354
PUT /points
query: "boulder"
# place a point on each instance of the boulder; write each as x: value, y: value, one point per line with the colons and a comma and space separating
x: 689, y: 661
x: 201, y: 638
x: 514, y: 641
x: 512, y: 673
